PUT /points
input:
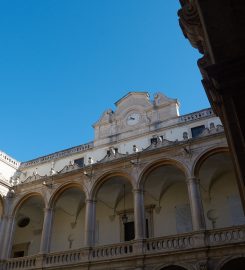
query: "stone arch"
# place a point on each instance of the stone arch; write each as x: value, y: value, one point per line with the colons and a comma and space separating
x: 158, y: 163
x: 67, y: 205
x: 175, y: 266
x: 28, y: 216
x: 105, y: 177
x: 200, y: 159
x: 113, y: 199
x: 161, y: 180
x: 68, y: 217
x: 58, y: 192
x: 218, y: 186
x: 22, y: 200
x: 237, y: 263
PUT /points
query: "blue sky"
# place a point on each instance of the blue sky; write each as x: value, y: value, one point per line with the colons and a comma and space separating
x: 62, y: 63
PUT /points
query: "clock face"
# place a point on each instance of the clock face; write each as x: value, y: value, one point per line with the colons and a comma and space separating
x: 133, y: 119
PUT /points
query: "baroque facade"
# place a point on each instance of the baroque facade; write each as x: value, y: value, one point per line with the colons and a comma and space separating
x: 154, y: 191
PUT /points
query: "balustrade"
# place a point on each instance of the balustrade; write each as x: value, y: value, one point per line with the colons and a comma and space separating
x: 181, y: 242
x: 110, y: 251
x: 226, y: 236
x: 21, y: 263
x: 165, y: 244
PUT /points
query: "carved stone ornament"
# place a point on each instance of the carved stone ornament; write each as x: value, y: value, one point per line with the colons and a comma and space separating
x: 112, y: 154
x: 34, y: 177
x: 160, y: 143
x: 69, y: 168
x: 190, y: 24
x: 207, y: 131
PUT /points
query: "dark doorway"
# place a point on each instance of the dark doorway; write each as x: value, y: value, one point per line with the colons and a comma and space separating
x: 19, y: 254
x: 129, y: 231
x: 236, y: 264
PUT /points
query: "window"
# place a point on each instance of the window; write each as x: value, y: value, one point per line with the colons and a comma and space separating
x: 79, y: 162
x: 196, y: 131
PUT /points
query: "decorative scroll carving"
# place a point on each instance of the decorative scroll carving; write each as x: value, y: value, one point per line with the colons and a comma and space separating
x: 69, y: 168
x: 207, y: 131
x: 112, y: 154
x: 34, y: 177
x: 161, y: 99
x: 160, y: 143
x: 190, y: 24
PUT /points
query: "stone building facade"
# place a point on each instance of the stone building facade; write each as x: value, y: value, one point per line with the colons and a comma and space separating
x: 154, y: 191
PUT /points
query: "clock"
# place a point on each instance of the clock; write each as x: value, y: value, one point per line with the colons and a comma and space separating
x: 133, y: 119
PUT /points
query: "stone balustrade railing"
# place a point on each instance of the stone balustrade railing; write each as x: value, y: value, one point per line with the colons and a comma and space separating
x: 196, y: 115
x: 57, y: 155
x: 30, y: 262
x: 181, y: 242
x: 226, y: 236
x: 66, y: 257
x: 9, y: 160
x: 110, y: 251
x: 165, y: 244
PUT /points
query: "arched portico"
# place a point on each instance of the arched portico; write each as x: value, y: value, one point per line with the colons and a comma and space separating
x: 221, y: 201
x: 113, y: 217
x: 27, y: 225
x: 202, y: 157
x: 67, y: 214
x: 160, y: 163
x: 165, y: 188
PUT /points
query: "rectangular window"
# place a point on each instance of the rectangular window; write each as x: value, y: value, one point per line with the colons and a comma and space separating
x: 196, y: 131
x: 79, y: 162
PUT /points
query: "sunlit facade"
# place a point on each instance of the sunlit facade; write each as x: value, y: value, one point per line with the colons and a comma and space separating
x: 153, y: 191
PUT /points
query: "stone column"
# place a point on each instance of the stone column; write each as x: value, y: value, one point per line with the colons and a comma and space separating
x: 197, y: 214
x: 90, y: 216
x: 46, y: 231
x: 6, y: 236
x: 139, y: 214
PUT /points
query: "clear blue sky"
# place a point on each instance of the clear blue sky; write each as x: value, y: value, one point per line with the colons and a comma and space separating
x: 63, y: 62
